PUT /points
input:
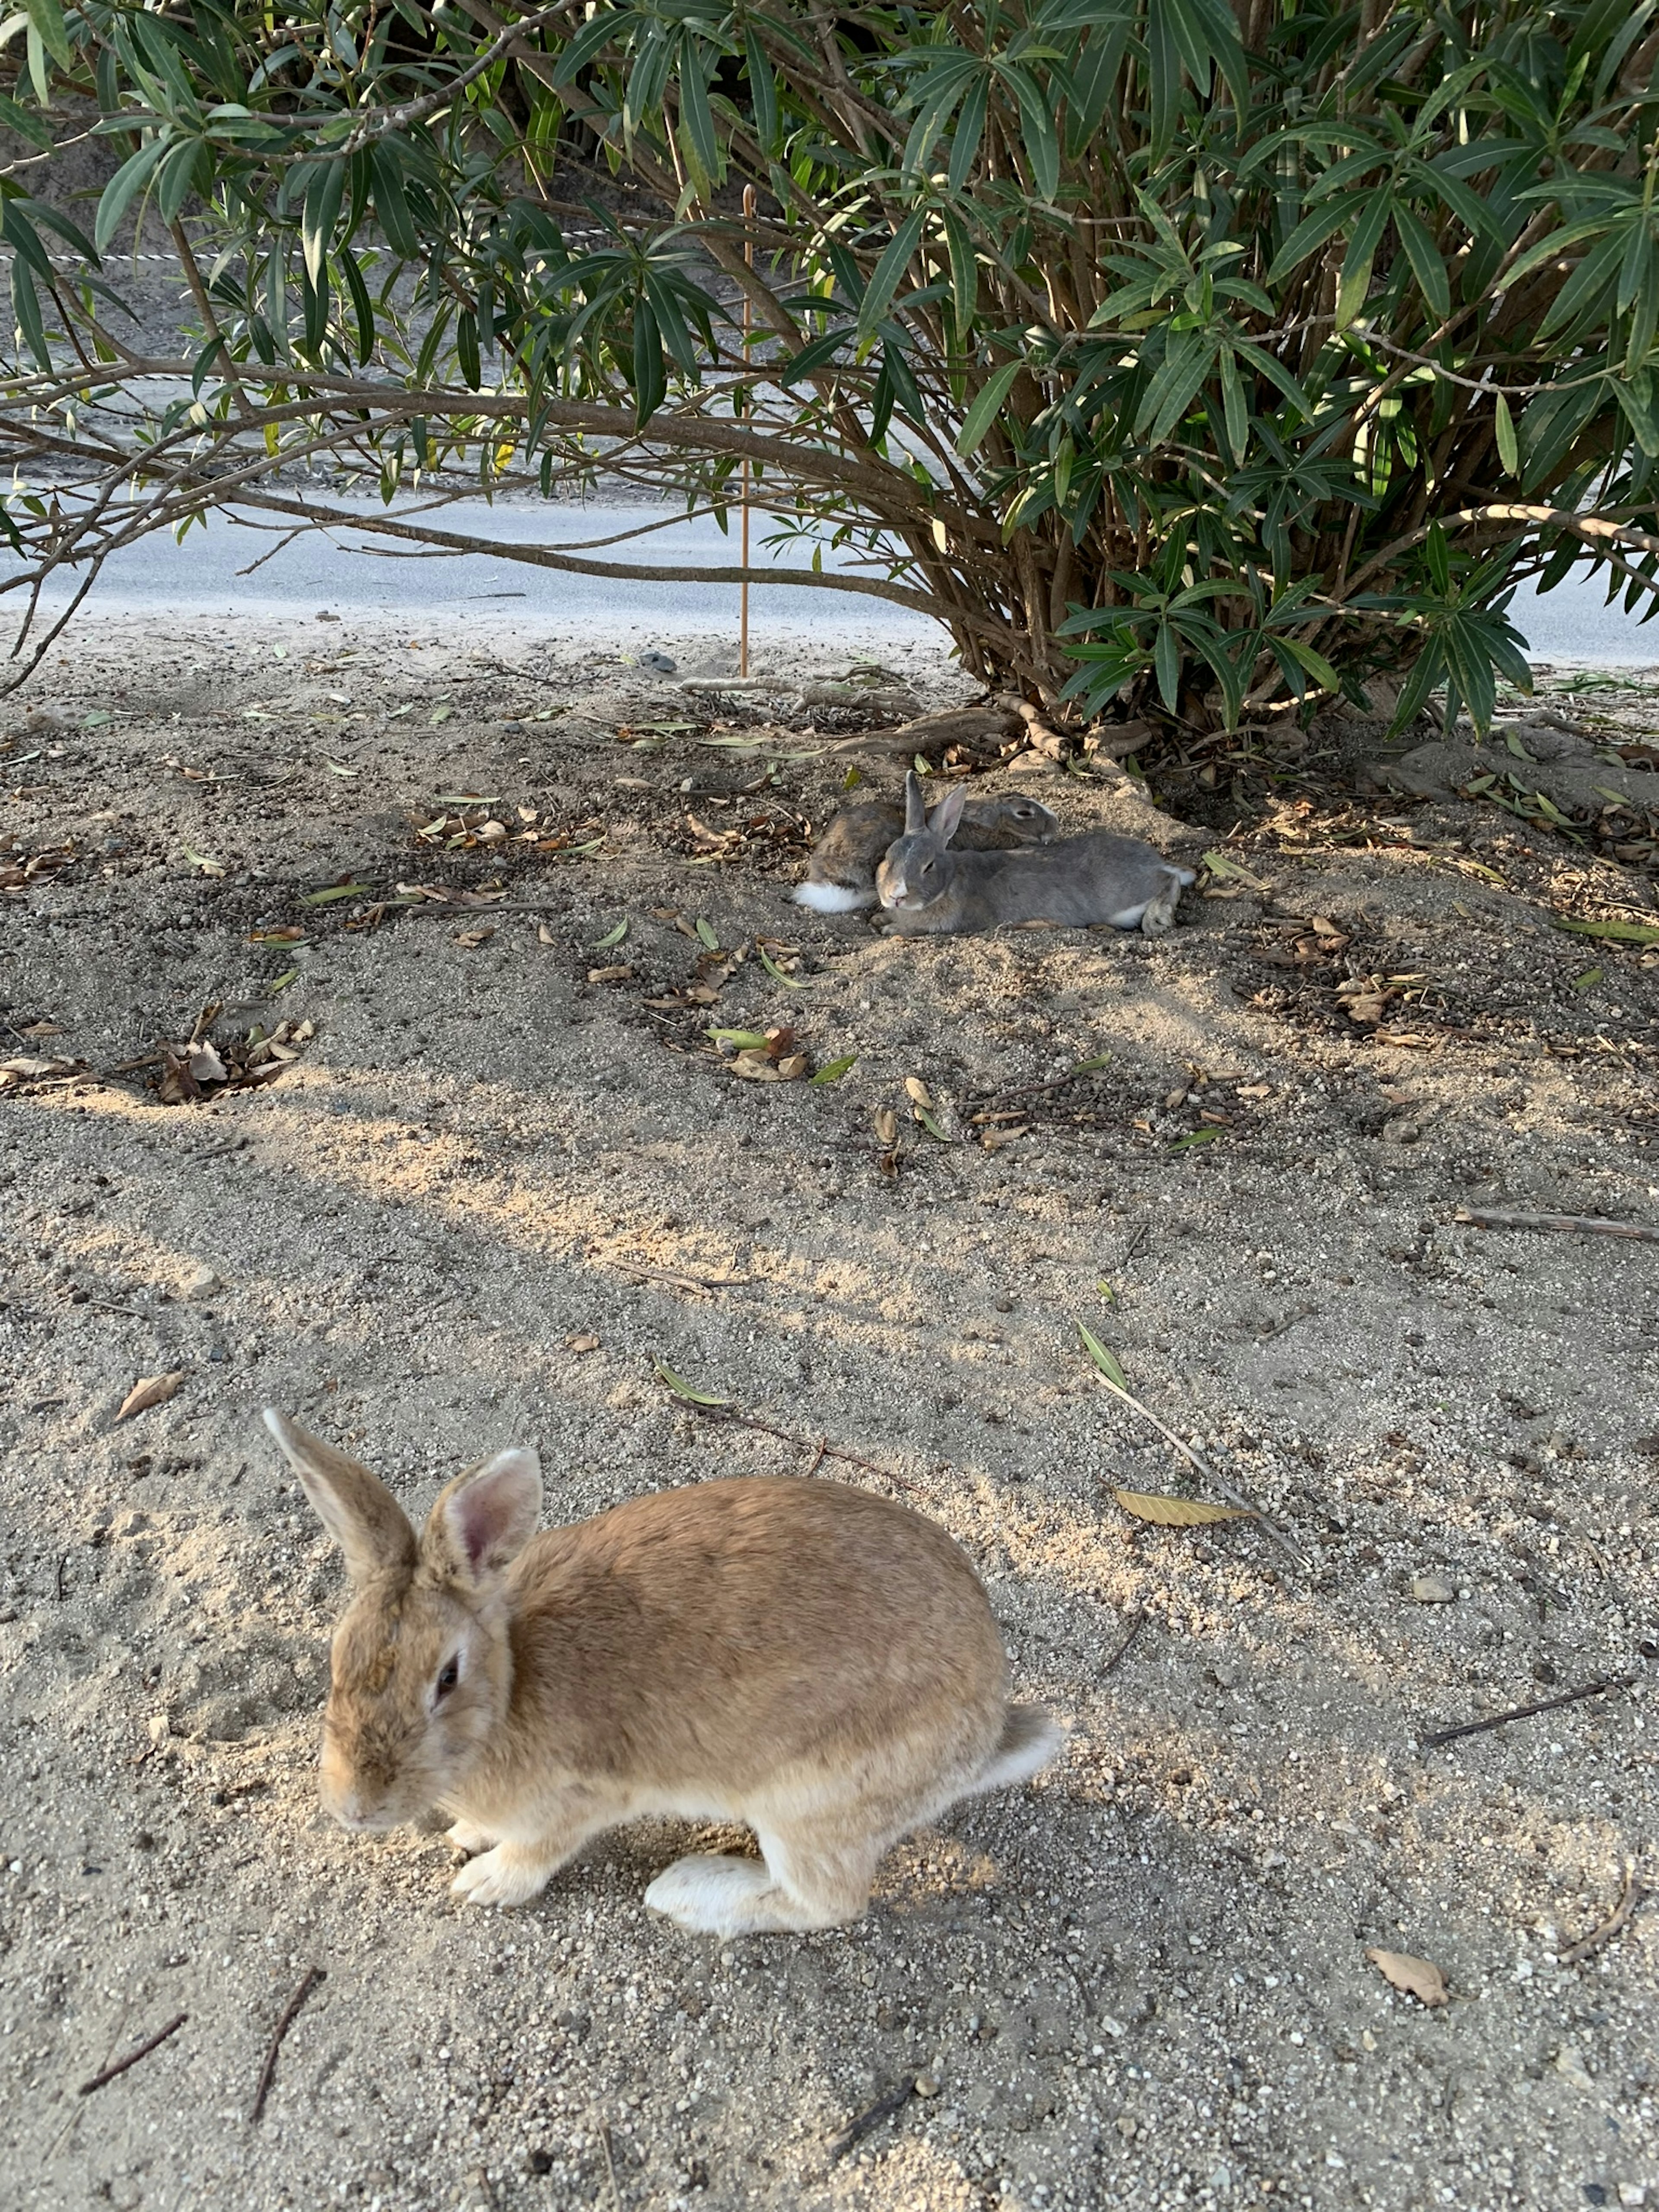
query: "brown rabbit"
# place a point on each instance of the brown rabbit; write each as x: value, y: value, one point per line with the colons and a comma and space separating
x: 804, y: 1657
x: 840, y: 876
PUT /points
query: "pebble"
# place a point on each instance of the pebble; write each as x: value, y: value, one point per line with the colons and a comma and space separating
x: 1431, y: 1589
x: 660, y: 663
x: 200, y: 1282
x: 926, y: 2085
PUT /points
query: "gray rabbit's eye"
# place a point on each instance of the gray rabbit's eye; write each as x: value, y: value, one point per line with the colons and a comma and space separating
x: 449, y: 1675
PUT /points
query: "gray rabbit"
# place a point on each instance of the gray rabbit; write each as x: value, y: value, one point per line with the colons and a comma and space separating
x: 840, y: 876
x: 1083, y: 883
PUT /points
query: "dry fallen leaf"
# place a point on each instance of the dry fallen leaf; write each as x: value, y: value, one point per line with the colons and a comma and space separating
x: 609, y: 974
x: 1177, y: 1512
x: 155, y: 1391
x: 994, y: 1140
x: 545, y: 934
x: 886, y: 1126
x: 1414, y: 1978
x: 474, y: 937
x: 917, y: 1093
x: 582, y: 1343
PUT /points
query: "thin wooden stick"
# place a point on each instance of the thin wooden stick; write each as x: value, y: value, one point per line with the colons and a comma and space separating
x: 824, y: 1450
x: 1573, y: 1224
x: 1122, y: 1651
x: 1203, y: 1468
x: 883, y: 2109
x: 132, y: 2056
x: 268, y: 2071
x: 610, y: 2169
x: 1525, y: 1712
x: 1621, y: 1912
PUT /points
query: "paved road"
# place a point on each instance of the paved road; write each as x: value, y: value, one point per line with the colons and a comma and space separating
x: 1570, y: 623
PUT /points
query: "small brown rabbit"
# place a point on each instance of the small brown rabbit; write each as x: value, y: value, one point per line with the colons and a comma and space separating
x: 801, y: 1655
x: 840, y: 876
x: 929, y: 889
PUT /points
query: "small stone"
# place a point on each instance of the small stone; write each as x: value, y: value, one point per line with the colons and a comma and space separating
x: 1003, y: 1306
x: 158, y: 1727
x: 1126, y: 2126
x: 1570, y: 2065
x: 1429, y: 1590
x: 659, y: 664
x: 926, y: 2085
x: 200, y: 1283
x: 1633, y: 2193
x: 581, y: 1342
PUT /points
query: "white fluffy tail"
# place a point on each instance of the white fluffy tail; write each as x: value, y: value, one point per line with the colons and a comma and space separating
x: 831, y: 898
x: 1030, y: 1737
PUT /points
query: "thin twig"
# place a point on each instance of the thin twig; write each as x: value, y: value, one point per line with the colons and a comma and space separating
x: 1202, y: 1466
x: 132, y: 2056
x: 1122, y: 1651
x: 1572, y: 1223
x: 267, y: 2072
x: 1525, y: 1712
x: 610, y: 2169
x: 883, y: 2109
x: 825, y: 1450
x: 817, y: 1459
x: 1587, y: 1945
x: 1136, y: 1242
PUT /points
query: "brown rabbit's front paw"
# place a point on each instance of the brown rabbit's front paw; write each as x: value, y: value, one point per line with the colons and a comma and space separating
x: 466, y: 1838
x: 503, y: 1876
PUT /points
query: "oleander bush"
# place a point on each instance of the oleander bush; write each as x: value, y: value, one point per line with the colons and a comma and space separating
x: 1165, y: 350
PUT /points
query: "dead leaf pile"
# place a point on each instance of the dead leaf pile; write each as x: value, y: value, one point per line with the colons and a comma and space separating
x: 772, y: 832
x: 31, y: 1069
x: 763, y: 1055
x: 203, y: 1068
x: 474, y: 825
x: 18, y: 870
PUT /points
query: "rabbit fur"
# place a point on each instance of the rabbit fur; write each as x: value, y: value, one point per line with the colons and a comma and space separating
x: 928, y: 888
x: 841, y: 875
x: 805, y: 1657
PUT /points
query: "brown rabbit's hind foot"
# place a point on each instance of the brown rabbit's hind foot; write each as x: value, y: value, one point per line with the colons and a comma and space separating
x: 465, y: 1837
x: 787, y: 1894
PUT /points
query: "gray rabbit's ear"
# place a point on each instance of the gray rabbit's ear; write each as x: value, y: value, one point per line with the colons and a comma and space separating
x: 948, y: 813
x: 915, y: 807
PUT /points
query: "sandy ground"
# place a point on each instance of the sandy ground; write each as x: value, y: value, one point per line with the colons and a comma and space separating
x: 1142, y: 1982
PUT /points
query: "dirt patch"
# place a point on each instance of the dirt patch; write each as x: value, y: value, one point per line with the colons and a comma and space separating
x: 503, y: 1172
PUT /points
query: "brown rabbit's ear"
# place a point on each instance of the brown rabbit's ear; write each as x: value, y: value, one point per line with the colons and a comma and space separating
x: 915, y: 807
x: 947, y: 814
x: 485, y: 1517
x: 354, y: 1506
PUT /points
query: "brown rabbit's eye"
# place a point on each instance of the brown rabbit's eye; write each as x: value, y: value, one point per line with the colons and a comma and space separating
x: 449, y: 1677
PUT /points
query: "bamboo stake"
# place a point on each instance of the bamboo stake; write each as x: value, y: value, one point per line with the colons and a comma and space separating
x: 743, y: 588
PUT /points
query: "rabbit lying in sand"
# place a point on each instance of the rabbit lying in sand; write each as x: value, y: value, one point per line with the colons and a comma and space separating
x: 840, y: 876
x: 930, y: 889
x: 800, y: 1655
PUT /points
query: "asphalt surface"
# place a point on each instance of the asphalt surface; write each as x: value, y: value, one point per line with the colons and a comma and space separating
x: 347, y: 573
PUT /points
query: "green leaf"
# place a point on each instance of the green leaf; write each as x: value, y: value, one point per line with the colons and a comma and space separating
x: 47, y: 19
x: 1107, y: 1361
x: 1089, y: 1067
x: 1509, y: 452
x: 739, y: 1040
x: 334, y: 891
x: 129, y: 179
x: 1619, y: 933
x: 280, y: 982
x: 611, y: 936
x: 706, y: 930
x: 928, y: 1123
x: 789, y: 982
x: 1194, y: 1137
x: 682, y: 1389
x: 983, y: 412
x: 890, y: 270
x: 320, y: 213
x: 832, y: 1070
